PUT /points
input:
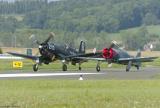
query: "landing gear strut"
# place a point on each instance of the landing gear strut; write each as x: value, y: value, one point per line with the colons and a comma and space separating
x: 128, y: 67
x: 98, y: 68
x: 35, y: 67
x: 64, y: 67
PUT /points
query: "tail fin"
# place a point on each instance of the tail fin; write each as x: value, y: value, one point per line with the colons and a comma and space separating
x: 82, y: 47
x: 138, y: 53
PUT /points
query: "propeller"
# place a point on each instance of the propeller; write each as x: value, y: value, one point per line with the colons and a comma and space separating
x: 33, y: 38
x: 42, y: 45
x: 94, y: 50
x: 108, y: 53
x: 51, y: 35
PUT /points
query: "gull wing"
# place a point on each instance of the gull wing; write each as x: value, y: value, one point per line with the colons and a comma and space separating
x: 24, y: 56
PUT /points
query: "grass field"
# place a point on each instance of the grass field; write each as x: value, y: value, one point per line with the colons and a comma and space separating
x: 80, y: 94
x: 27, y: 65
x: 47, y: 93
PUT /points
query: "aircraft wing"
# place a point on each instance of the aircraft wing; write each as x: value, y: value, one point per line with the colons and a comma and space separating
x: 91, y: 58
x: 141, y: 59
x: 80, y: 56
x: 23, y: 56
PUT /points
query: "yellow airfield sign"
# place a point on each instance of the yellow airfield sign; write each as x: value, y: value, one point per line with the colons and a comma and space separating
x: 17, y: 64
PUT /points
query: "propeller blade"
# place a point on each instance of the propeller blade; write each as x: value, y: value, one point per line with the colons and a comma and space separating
x: 33, y: 38
x: 94, y: 50
x: 112, y: 44
x: 51, y: 35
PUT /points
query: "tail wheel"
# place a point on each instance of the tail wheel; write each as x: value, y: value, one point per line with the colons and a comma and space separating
x: 35, y: 67
x: 64, y: 67
x: 80, y: 68
x: 98, y: 68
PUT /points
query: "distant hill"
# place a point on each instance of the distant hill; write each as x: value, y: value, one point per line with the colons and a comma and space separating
x: 132, y: 22
x: 85, y: 15
x: 23, y: 0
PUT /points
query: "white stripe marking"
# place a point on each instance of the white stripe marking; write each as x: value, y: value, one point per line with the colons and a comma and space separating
x: 43, y: 74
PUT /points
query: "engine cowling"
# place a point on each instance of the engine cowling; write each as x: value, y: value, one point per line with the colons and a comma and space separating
x: 108, y: 53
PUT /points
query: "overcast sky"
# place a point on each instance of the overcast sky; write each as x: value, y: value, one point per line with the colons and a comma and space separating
x: 21, y: 0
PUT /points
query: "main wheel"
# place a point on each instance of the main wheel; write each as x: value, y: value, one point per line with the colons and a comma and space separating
x: 98, y: 68
x: 127, y: 69
x: 35, y: 67
x: 64, y: 67
x: 137, y: 67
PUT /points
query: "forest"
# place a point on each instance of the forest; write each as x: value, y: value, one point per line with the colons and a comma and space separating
x: 95, y: 21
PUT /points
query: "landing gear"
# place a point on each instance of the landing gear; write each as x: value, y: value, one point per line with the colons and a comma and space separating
x: 127, y: 70
x: 80, y: 68
x: 128, y: 67
x: 137, y: 67
x: 98, y: 68
x: 64, y: 67
x: 35, y: 67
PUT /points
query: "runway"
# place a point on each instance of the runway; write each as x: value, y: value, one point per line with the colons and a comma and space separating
x: 112, y: 73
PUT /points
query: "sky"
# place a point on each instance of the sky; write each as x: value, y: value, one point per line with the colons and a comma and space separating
x: 15, y: 0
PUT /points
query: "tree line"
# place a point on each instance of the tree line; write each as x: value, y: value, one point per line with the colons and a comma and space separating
x: 81, y: 18
x: 85, y: 15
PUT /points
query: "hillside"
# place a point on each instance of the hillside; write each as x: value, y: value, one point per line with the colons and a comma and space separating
x: 95, y: 21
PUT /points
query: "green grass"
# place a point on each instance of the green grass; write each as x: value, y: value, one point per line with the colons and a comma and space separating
x: 27, y: 65
x: 80, y: 94
x: 7, y: 65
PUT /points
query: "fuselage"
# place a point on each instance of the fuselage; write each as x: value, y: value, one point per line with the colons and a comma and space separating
x: 51, y: 52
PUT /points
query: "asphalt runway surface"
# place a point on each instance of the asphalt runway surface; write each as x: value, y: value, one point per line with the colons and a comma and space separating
x: 112, y: 73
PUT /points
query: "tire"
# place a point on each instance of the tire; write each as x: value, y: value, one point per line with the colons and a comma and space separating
x: 98, y: 68
x: 64, y: 67
x: 137, y: 67
x: 80, y: 68
x: 35, y: 67
x: 127, y: 70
